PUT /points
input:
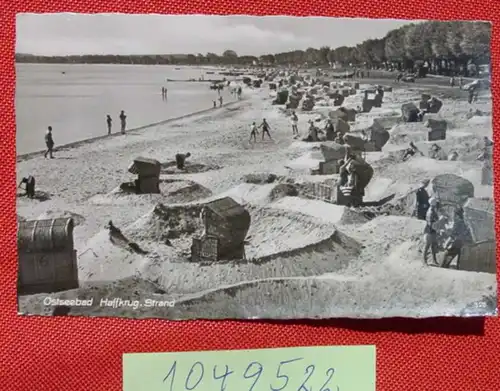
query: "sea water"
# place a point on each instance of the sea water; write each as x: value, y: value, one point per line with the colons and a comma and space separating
x: 75, y: 98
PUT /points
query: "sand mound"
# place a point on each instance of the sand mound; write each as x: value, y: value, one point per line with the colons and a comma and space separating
x: 305, y: 163
x: 189, y: 168
x: 249, y: 193
x: 367, y: 296
x: 260, y: 178
x: 183, y: 191
x: 295, y: 297
x: 273, y: 230
x: 322, y: 211
x: 56, y: 214
x: 276, y: 231
x: 40, y: 196
x: 101, y: 260
x: 283, y: 190
x: 402, y: 134
x: 330, y: 213
x: 171, y: 191
x: 387, y: 158
x: 353, y: 216
x: 167, y: 222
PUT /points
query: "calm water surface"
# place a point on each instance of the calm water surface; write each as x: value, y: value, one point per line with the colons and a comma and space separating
x: 75, y: 103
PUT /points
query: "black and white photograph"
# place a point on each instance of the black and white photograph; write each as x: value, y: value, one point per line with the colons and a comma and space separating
x: 242, y: 167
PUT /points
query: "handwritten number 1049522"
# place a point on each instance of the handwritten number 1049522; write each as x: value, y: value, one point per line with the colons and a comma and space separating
x: 251, y: 375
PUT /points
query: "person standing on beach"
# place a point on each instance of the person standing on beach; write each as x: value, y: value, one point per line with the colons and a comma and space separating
x: 422, y: 201
x: 295, y: 121
x: 29, y: 183
x: 430, y: 232
x: 215, y: 104
x: 163, y: 92
x: 220, y: 101
x: 265, y: 129
x: 49, y: 142
x: 239, y: 92
x: 109, y: 121
x: 253, y: 132
x: 473, y: 92
x: 123, y: 120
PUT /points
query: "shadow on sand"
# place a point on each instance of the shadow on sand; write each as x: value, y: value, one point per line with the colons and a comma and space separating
x: 40, y: 196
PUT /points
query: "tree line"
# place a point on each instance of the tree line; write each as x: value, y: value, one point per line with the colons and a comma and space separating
x: 439, y: 47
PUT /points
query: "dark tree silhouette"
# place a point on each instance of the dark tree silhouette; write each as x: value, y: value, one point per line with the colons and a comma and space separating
x: 440, y: 47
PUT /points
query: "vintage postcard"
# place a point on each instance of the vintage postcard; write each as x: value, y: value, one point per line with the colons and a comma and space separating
x: 187, y: 167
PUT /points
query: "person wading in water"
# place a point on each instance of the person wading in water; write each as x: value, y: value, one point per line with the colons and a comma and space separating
x: 49, y: 142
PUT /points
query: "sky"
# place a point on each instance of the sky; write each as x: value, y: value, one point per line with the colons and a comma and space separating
x: 70, y: 34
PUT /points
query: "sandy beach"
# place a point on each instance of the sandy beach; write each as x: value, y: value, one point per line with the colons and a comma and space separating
x: 305, y: 258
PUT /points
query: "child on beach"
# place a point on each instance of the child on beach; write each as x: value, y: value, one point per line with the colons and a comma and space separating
x: 265, y: 129
x: 253, y: 132
x: 220, y: 101
x: 215, y: 104
x: 109, y: 122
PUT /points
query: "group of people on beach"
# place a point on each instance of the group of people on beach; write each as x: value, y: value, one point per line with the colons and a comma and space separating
x: 314, y: 132
x: 254, y: 129
x: 427, y: 208
x: 458, y: 235
x: 49, y: 138
x: 237, y: 91
x: 123, y: 122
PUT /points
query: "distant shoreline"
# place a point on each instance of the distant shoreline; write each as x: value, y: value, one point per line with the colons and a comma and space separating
x: 76, y: 144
